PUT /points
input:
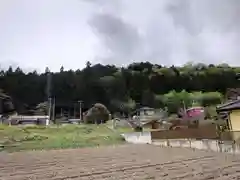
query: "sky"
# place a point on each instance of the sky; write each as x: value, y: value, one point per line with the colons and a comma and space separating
x: 37, y: 34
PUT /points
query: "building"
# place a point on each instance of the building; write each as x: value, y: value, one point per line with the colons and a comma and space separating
x: 148, y: 114
x: 24, y: 120
x: 232, y: 110
x: 148, y: 118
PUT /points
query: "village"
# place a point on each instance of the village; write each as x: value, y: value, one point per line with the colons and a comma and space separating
x: 190, y: 123
x: 119, y: 90
x: 200, y: 141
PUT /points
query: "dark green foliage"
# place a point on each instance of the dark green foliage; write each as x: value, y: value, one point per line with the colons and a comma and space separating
x: 6, y: 104
x: 121, y: 89
x: 97, y: 114
x: 173, y: 100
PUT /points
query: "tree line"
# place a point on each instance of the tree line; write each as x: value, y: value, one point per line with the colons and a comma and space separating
x: 122, y: 88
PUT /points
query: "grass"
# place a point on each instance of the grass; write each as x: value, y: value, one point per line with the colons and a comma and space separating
x: 119, y: 129
x: 14, y: 138
x: 124, y: 129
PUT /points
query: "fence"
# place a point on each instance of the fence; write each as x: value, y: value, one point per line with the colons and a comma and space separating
x: 204, y: 132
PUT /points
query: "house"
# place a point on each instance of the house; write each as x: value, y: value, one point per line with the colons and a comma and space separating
x: 147, y: 117
x: 232, y: 110
x: 146, y: 114
x: 33, y: 120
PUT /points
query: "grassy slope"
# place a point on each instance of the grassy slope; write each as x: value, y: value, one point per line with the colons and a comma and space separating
x: 69, y: 136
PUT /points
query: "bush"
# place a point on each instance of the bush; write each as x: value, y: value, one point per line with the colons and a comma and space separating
x: 210, y: 112
x: 211, y: 98
x: 175, y: 100
x: 97, y: 114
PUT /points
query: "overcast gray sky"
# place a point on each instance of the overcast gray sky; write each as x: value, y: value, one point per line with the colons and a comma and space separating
x: 39, y: 33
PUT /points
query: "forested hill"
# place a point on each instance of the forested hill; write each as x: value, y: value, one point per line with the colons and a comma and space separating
x: 142, y: 83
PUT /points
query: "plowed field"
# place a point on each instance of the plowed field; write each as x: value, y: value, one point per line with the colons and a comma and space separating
x: 121, y: 162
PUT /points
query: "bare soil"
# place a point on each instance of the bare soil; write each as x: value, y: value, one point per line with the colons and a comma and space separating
x: 127, y: 162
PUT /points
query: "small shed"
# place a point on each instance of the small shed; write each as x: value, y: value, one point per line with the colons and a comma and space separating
x: 232, y: 109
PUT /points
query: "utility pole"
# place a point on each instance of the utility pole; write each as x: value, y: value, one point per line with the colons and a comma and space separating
x: 69, y: 113
x: 138, y: 114
x: 49, y: 109
x: 80, y: 110
x: 74, y: 110
x: 53, y: 111
x: 61, y: 112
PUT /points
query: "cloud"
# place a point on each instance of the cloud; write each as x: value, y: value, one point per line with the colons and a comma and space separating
x: 69, y: 33
x: 168, y: 31
x: 121, y: 39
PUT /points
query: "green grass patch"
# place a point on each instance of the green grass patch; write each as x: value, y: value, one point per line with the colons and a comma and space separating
x: 13, y: 138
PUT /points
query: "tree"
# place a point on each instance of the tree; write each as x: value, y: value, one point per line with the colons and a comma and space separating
x: 47, y: 70
x: 119, y: 88
x: 61, y: 69
x: 88, y: 64
x: 97, y: 114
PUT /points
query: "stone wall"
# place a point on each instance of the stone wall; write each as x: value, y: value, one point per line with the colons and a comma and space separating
x: 230, y: 135
x: 138, y: 137
x: 206, y: 144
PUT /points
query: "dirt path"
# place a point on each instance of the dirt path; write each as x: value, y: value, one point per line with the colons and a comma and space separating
x: 127, y: 162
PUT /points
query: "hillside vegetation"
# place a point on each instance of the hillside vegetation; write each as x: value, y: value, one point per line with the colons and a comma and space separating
x: 122, y: 89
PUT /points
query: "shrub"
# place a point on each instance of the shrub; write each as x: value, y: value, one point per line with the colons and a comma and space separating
x: 176, y: 100
x: 97, y: 114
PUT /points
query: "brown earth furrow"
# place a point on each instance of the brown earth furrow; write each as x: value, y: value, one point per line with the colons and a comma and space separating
x: 229, y: 177
x: 127, y: 162
x: 214, y: 173
x: 56, y: 166
x: 113, y: 170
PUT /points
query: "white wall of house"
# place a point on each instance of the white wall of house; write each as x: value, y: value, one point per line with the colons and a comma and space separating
x: 31, y: 119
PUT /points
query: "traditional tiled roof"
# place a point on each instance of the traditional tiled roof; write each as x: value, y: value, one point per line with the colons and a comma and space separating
x: 228, y: 106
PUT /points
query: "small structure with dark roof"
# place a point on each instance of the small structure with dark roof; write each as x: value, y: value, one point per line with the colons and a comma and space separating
x: 147, y: 117
x: 232, y: 109
x: 229, y: 106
